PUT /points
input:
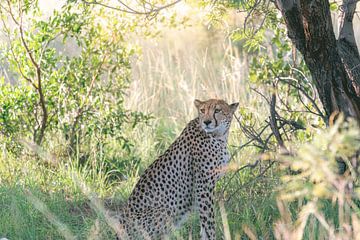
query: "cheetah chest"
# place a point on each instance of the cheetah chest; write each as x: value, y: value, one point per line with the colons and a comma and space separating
x: 211, y: 156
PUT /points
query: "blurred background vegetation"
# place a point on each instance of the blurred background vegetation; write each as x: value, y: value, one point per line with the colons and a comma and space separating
x: 90, y: 96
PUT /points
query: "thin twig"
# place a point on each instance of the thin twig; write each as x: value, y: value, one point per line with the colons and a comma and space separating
x: 38, y: 86
x: 273, y: 121
x: 251, y: 181
x: 128, y: 9
x: 81, y: 109
x: 249, y: 165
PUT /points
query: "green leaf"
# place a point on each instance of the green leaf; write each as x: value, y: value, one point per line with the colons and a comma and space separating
x: 334, y: 6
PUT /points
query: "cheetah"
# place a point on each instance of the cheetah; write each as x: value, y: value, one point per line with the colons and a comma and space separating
x: 182, y: 179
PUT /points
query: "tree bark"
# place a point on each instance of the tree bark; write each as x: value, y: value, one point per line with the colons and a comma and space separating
x: 347, y: 45
x: 332, y: 62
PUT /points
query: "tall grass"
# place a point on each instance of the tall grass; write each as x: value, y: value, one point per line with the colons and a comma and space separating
x: 45, y: 194
x: 49, y: 195
x: 41, y: 198
x: 195, y: 63
x: 184, y: 65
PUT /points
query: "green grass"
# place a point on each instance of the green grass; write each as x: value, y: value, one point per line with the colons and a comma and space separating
x: 29, y: 184
x: 42, y: 201
x: 22, y: 220
x: 59, y: 187
x: 42, y: 198
x: 187, y: 64
x: 29, y: 213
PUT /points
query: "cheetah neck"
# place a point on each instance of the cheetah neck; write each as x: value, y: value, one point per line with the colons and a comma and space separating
x: 223, y: 137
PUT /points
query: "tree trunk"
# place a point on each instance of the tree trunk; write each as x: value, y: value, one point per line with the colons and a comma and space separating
x: 334, y: 64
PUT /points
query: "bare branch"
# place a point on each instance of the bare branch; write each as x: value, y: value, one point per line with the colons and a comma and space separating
x: 273, y: 122
x: 261, y: 94
x: 127, y: 9
x: 252, y: 134
x: 253, y: 8
x: 261, y: 174
x: 250, y: 165
x: 295, y: 84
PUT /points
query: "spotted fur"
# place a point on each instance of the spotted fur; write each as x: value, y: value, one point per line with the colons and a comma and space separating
x: 183, y: 178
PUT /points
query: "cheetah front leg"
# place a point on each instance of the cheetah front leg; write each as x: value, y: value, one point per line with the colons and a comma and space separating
x: 205, y: 205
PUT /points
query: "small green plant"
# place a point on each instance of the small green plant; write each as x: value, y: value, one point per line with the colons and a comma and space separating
x: 71, y: 74
x: 325, y: 203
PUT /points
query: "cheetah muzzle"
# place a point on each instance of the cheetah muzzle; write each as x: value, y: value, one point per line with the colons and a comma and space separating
x: 182, y: 179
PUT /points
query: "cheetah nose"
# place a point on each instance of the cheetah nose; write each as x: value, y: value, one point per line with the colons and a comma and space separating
x: 207, y: 122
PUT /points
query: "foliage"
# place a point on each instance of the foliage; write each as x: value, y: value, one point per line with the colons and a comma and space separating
x: 316, y: 186
x: 77, y: 94
x: 91, y: 140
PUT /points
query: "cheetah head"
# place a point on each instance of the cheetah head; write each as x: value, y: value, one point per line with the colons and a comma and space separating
x: 215, y: 115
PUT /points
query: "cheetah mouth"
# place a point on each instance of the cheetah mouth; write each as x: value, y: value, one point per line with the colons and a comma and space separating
x: 209, y: 129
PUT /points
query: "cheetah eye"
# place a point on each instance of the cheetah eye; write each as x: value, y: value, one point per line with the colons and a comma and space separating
x: 217, y: 110
x: 202, y: 110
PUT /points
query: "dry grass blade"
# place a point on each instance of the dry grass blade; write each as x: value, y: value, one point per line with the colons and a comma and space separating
x: 94, y: 231
x: 227, y: 235
x: 249, y: 232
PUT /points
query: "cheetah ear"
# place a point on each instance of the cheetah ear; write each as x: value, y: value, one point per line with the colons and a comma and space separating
x: 197, y: 103
x: 233, y: 107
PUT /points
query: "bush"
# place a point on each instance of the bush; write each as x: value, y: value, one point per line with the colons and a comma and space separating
x: 326, y: 202
x: 71, y: 72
